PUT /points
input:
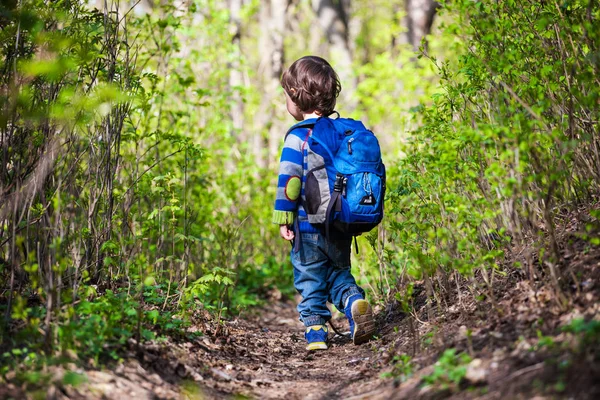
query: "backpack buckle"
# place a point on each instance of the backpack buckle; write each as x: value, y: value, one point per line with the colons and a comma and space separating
x: 340, y: 182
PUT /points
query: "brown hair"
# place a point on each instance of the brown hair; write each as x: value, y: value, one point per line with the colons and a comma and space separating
x: 312, y: 84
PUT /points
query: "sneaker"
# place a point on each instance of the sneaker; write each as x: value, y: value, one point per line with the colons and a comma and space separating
x: 359, y: 314
x: 316, y: 336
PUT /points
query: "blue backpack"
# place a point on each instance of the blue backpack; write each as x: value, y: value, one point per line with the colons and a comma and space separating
x: 345, y: 183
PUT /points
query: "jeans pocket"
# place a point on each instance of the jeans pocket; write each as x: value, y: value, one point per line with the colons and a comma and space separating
x: 309, y: 249
x: 310, y: 238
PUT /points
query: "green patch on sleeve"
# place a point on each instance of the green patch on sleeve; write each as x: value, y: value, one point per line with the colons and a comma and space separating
x: 292, y: 188
x: 283, y: 217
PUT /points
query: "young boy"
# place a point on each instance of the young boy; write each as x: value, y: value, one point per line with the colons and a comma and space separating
x: 321, y: 266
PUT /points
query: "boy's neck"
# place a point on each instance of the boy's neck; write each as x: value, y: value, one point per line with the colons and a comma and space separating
x: 311, y: 115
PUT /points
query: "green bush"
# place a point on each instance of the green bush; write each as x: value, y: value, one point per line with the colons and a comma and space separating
x: 507, y: 140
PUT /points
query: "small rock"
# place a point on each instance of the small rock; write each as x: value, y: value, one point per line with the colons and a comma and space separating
x: 496, y: 335
x: 220, y: 375
x: 287, y: 321
x: 154, y: 378
x: 463, y: 332
x: 102, y: 389
x: 386, y: 357
x: 499, y: 354
x: 100, y: 377
x: 589, y: 297
x: 196, y: 376
x: 425, y: 390
x: 476, y: 373
x: 521, y: 348
x: 10, y: 375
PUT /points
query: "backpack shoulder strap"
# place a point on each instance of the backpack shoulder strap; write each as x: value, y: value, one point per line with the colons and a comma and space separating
x: 309, y: 123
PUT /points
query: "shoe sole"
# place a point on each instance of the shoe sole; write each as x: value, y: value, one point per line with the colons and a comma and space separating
x: 316, y: 346
x: 364, y: 323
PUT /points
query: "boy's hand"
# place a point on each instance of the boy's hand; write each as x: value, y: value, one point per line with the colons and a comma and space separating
x: 286, y: 232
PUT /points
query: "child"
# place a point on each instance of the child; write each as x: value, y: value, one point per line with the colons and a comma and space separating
x: 321, y: 266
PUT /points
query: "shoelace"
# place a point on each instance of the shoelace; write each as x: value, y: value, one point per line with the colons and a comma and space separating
x: 338, y: 332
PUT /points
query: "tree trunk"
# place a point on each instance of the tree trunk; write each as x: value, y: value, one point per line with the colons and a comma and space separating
x: 419, y: 19
x: 333, y: 18
x: 272, y: 22
x: 235, y: 74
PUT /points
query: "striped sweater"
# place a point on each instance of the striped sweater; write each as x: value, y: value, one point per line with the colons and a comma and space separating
x: 291, y: 181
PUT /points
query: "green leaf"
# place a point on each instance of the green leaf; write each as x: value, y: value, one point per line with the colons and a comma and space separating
x: 74, y: 378
x: 149, y: 281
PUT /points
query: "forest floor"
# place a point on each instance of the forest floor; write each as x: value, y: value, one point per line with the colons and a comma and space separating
x: 524, y: 344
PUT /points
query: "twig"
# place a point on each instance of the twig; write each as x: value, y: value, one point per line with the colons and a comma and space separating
x: 523, y: 371
x: 148, y: 169
x: 521, y: 102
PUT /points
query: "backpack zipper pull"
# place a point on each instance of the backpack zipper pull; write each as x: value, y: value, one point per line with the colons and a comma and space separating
x: 350, y: 145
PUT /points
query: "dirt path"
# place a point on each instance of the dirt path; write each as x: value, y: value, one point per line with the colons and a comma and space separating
x: 517, y: 352
x: 265, y: 357
x: 261, y: 356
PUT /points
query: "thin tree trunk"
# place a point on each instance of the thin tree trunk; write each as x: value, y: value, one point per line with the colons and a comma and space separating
x: 419, y: 19
x: 334, y: 20
x: 272, y: 22
x: 235, y: 74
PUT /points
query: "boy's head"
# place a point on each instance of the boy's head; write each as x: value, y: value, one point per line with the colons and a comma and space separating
x: 312, y: 84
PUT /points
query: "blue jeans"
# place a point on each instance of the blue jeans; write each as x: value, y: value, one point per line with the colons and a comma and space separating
x: 322, y: 274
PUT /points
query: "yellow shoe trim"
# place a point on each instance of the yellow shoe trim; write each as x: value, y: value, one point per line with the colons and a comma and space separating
x: 316, y: 328
x: 317, y: 346
x: 362, y: 306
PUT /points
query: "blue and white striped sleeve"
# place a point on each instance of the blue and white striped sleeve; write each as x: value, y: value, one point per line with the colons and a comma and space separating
x: 289, y: 183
